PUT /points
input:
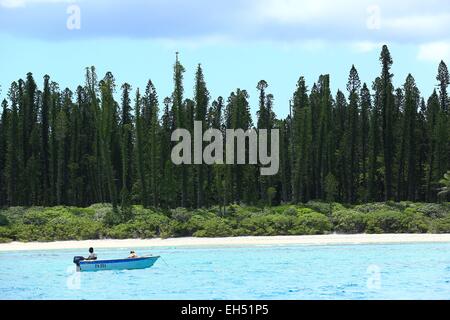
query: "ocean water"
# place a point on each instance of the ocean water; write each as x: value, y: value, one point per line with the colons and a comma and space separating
x: 407, y: 271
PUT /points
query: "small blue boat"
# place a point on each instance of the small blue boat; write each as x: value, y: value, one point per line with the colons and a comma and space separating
x: 116, y: 264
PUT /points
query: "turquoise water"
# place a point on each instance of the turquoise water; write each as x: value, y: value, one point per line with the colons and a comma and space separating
x: 411, y: 271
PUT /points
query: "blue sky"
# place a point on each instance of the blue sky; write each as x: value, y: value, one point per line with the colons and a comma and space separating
x: 237, y: 42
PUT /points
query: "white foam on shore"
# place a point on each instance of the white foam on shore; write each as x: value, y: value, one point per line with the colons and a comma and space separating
x: 332, y: 239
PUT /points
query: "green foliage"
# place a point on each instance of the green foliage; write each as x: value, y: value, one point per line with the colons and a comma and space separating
x: 396, y: 222
x: 6, y: 233
x: 434, y: 210
x: 3, y: 220
x: 441, y: 225
x: 216, y: 227
x: 313, y: 223
x: 72, y: 223
x: 181, y: 214
x: 81, y: 147
x: 323, y: 207
x: 349, y: 221
x: 146, y: 225
x: 290, y: 211
x: 445, y: 182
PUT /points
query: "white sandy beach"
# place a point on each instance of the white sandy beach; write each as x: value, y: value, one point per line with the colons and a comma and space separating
x: 237, y: 241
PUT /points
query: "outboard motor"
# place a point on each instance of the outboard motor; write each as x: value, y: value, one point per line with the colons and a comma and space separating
x: 77, y: 260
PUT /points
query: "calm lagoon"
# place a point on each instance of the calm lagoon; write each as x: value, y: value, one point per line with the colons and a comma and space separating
x: 391, y: 271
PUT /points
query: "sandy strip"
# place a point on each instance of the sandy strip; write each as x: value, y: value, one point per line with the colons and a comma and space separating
x: 238, y: 241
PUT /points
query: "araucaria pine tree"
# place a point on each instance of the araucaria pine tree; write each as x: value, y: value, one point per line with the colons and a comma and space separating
x: 370, y: 142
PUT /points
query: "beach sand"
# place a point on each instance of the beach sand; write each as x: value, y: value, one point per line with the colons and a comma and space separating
x: 332, y: 239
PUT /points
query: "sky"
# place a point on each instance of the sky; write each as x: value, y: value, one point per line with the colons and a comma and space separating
x: 238, y: 43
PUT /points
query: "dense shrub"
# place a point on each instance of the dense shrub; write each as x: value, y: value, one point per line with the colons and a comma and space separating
x: 441, y: 225
x: 68, y: 227
x: 216, y: 227
x: 181, y: 214
x: 383, y: 221
x: 15, y: 214
x: 396, y: 222
x: 372, y: 207
x: 6, y: 233
x: 267, y: 225
x: 145, y: 225
x: 414, y: 222
x: 42, y: 217
x: 3, y: 220
x: 290, y: 211
x: 434, y: 210
x: 277, y: 224
x: 100, y: 221
x: 349, y: 221
x: 321, y: 207
x: 133, y: 230
x: 312, y: 223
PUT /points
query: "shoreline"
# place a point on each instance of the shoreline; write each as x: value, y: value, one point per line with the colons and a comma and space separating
x: 317, y: 240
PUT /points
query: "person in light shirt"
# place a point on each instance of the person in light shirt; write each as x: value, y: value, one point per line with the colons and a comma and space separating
x: 132, y: 255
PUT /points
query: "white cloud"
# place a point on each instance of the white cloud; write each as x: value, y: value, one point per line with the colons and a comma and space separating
x: 23, y: 3
x: 12, y: 3
x: 294, y: 11
x: 360, y: 23
x: 426, y: 24
x: 366, y: 46
x: 434, y: 51
x: 356, y: 20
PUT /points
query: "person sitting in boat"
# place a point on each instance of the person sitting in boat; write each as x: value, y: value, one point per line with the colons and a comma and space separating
x: 132, y: 255
x: 92, y: 254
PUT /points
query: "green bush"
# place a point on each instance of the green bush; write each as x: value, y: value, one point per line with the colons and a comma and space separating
x: 290, y: 211
x: 434, y: 210
x: 101, y: 211
x: 321, y: 207
x: 26, y: 233
x: 181, y: 214
x: 414, y: 222
x: 282, y: 209
x: 216, y: 227
x: 313, y: 223
x: 398, y: 206
x: 14, y: 214
x: 349, y: 221
x: 441, y: 225
x: 42, y: 217
x: 396, y: 222
x: 372, y: 207
x: 99, y: 221
x: 383, y: 222
x: 6, y: 233
x: 3, y: 220
x: 144, y: 226
x: 72, y: 228
x: 258, y: 225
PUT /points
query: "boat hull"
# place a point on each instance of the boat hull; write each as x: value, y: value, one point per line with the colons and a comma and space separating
x: 117, y: 264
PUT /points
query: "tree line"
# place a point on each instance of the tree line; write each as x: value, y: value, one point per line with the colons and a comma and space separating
x: 368, y: 143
